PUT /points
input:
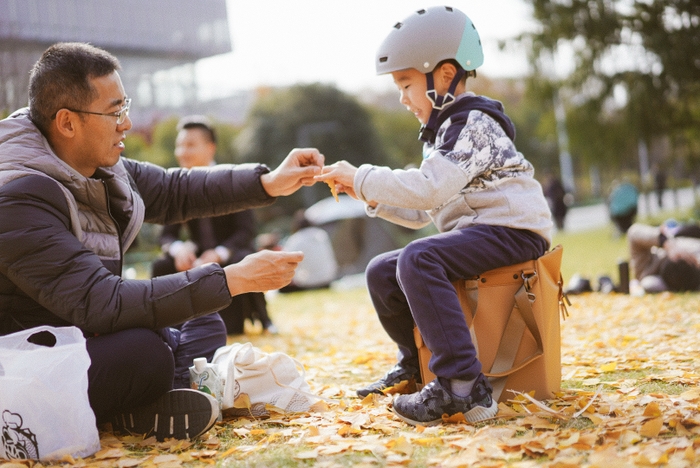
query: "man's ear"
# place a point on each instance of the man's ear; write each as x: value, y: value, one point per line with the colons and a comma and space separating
x: 64, y: 123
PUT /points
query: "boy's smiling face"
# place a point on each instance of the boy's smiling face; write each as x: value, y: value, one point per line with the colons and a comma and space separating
x: 412, y: 87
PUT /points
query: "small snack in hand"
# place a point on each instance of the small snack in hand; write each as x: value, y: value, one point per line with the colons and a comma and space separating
x: 334, y: 192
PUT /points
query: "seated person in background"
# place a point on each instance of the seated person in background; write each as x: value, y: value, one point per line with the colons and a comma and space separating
x: 222, y: 239
x: 319, y: 267
x: 667, y: 257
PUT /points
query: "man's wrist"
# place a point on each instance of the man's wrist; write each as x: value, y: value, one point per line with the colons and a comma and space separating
x: 262, y: 171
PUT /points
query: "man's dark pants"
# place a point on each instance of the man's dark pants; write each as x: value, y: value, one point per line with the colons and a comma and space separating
x: 131, y: 368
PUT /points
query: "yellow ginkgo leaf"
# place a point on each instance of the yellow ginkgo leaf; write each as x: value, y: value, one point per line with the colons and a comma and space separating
x: 243, y: 401
x: 652, y: 410
x: 334, y: 192
x: 652, y: 427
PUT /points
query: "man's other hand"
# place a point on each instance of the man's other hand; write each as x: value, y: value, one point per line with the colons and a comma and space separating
x: 262, y: 271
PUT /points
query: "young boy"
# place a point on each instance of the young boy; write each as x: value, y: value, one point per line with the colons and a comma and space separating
x: 473, y: 185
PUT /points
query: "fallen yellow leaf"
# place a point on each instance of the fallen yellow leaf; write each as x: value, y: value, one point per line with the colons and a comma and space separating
x: 454, y: 419
x: 652, y: 410
x: 652, y: 427
x: 405, y: 386
x: 243, y: 401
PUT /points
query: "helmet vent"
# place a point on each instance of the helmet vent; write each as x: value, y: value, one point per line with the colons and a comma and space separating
x: 421, y: 12
x: 450, y: 9
x: 398, y: 25
x: 383, y: 59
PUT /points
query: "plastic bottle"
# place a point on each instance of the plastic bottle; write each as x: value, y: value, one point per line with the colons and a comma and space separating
x: 205, y: 378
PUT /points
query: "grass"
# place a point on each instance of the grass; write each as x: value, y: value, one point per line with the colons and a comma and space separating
x: 592, y: 253
x: 646, y: 387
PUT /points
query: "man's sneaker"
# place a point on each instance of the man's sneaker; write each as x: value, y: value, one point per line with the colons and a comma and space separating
x: 396, y: 375
x: 182, y: 413
x: 427, y: 406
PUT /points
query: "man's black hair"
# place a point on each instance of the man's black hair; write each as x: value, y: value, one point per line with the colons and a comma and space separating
x: 200, y: 122
x: 61, y: 79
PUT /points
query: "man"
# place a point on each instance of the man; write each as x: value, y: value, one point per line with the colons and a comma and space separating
x: 222, y: 239
x: 70, y: 205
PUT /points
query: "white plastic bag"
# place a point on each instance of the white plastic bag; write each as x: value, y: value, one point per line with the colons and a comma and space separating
x: 44, y: 409
x: 255, y: 379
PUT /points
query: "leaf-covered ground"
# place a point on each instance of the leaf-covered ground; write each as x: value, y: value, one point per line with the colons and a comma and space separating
x: 630, y: 397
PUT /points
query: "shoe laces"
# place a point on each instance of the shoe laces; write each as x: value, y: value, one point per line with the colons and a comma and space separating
x: 433, y: 390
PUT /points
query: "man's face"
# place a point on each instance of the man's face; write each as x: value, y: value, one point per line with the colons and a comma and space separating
x: 193, y: 148
x: 99, y: 140
x: 412, y: 87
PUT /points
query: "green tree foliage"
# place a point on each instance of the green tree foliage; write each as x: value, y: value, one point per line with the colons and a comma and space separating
x: 163, y: 138
x: 398, y: 131
x: 226, y: 152
x: 315, y: 115
x: 636, y: 73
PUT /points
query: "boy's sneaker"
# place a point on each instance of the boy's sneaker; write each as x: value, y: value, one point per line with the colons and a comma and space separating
x: 427, y: 406
x: 396, y: 375
x: 182, y: 413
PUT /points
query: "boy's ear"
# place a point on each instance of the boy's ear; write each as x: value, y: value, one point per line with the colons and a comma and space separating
x: 445, y: 74
x: 64, y: 123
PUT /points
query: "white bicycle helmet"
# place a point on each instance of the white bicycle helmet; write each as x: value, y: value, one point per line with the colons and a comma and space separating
x: 425, y: 39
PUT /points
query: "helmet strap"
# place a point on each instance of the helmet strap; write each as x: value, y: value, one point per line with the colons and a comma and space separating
x: 427, y: 131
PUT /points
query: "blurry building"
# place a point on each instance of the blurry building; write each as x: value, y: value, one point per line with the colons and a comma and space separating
x: 156, y: 41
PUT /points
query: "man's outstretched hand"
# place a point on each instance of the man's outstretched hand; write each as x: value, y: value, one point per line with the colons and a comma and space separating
x: 298, y: 169
x: 262, y: 271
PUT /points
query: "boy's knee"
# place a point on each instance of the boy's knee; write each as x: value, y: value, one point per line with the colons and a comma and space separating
x: 410, y: 256
x: 378, y: 268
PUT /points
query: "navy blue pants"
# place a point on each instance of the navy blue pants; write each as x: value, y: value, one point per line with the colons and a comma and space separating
x: 133, y: 367
x: 414, y: 285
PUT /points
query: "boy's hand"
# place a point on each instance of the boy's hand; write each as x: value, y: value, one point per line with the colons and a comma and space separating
x: 343, y: 174
x: 298, y: 169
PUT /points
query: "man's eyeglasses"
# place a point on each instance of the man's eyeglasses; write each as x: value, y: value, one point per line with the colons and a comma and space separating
x: 120, y: 114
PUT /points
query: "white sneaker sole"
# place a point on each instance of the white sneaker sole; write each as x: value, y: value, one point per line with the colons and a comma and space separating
x: 179, y: 414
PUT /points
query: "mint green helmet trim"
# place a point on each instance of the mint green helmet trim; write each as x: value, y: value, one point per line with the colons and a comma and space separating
x: 426, y: 38
x: 470, y: 54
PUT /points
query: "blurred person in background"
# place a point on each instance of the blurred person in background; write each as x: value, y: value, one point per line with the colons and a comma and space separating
x: 319, y: 267
x: 555, y: 193
x: 225, y: 240
x: 622, y: 205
